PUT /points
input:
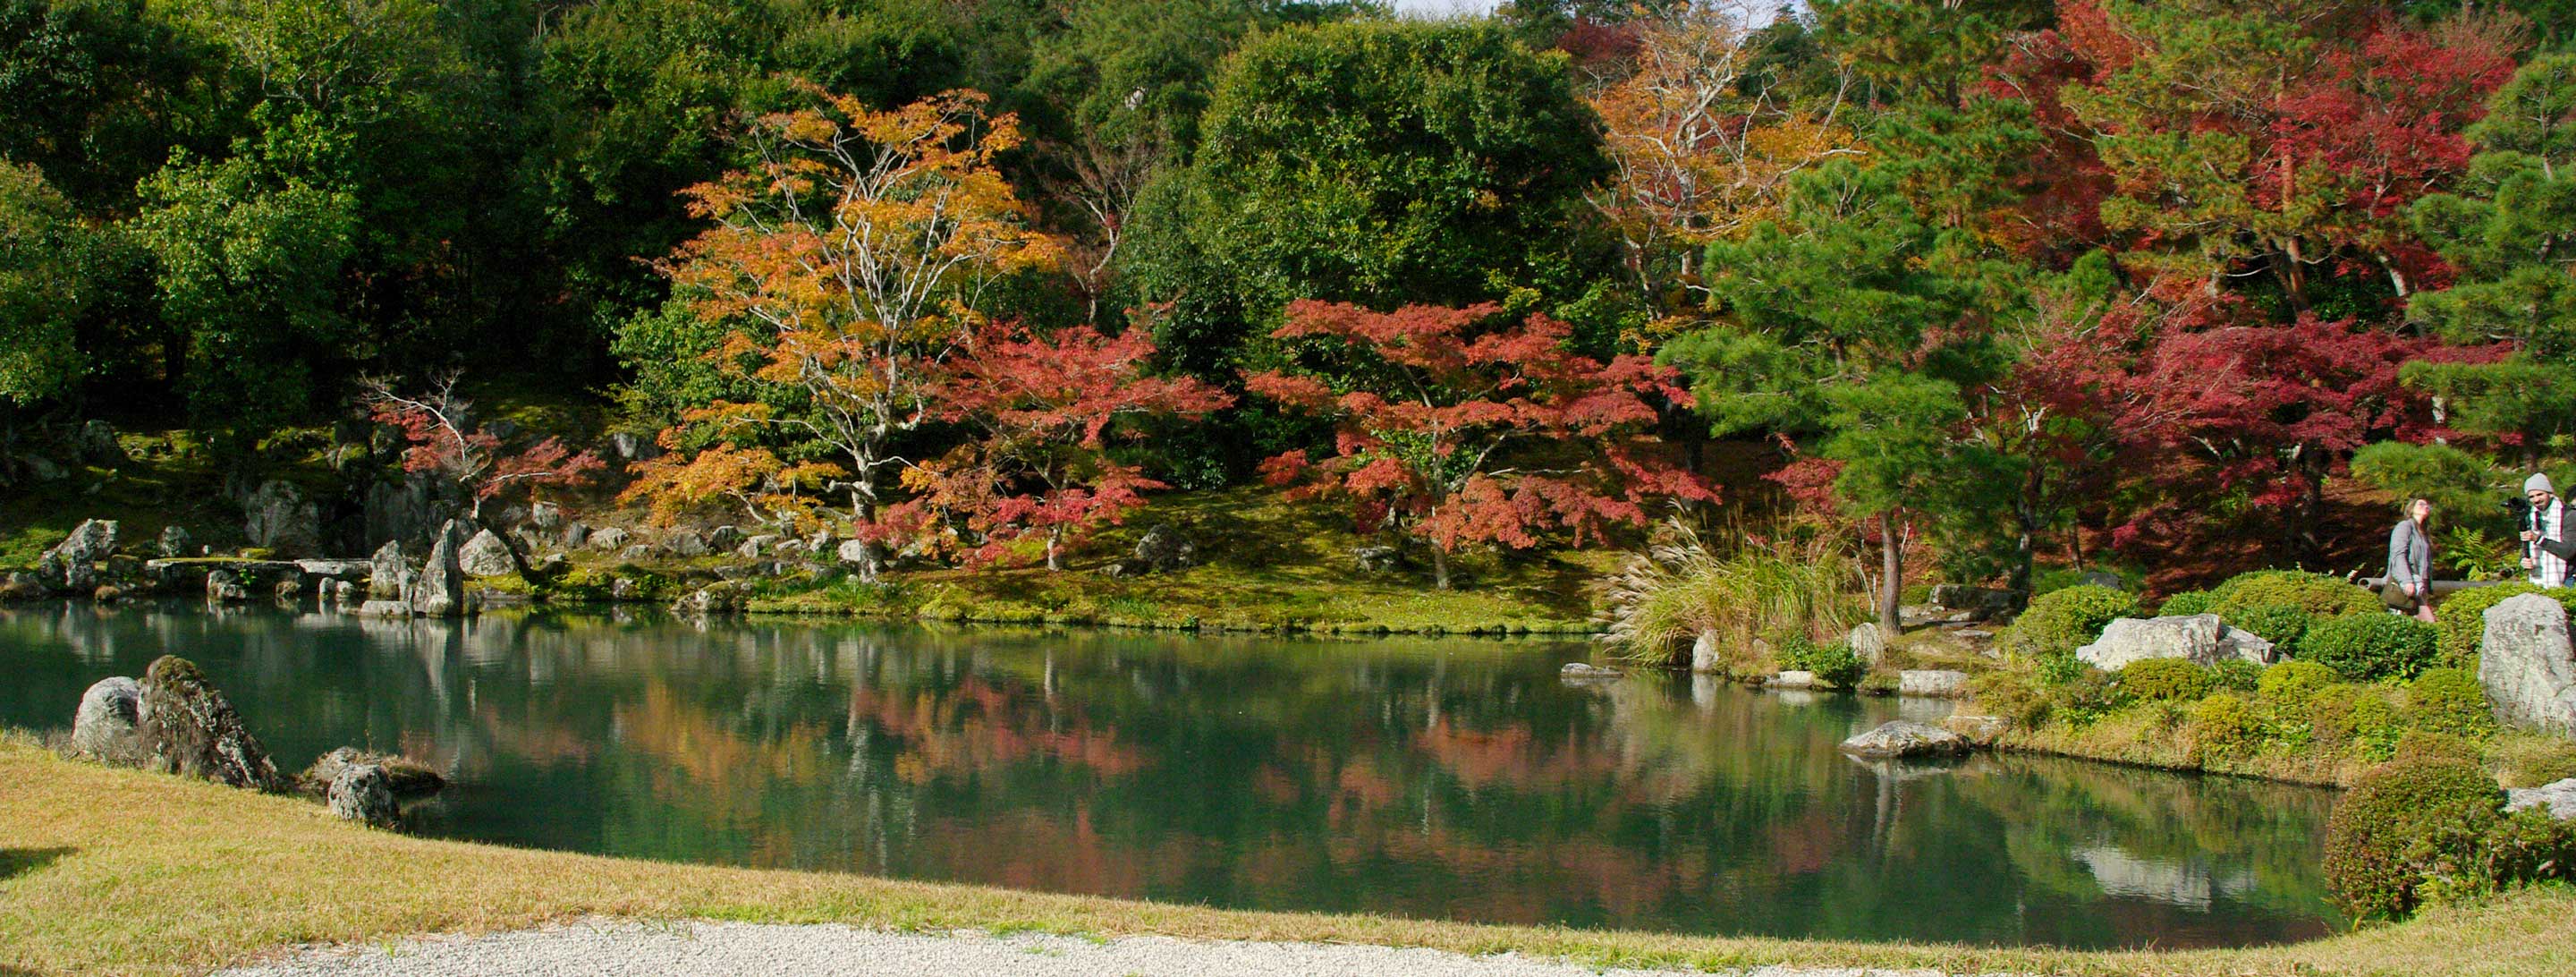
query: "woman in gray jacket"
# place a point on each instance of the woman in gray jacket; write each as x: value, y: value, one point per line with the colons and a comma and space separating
x: 2410, y: 560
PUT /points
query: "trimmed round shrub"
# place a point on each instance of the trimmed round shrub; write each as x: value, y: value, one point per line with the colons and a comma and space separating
x: 2404, y: 827
x: 2461, y: 619
x: 2237, y: 675
x: 2293, y: 683
x: 2166, y: 679
x: 1835, y: 664
x: 2281, y: 624
x: 2449, y: 700
x: 2352, y: 713
x: 2089, y: 696
x: 2224, y: 726
x: 2371, y: 646
x: 2187, y: 602
x: 2321, y: 595
x: 2423, y: 744
x: 2064, y: 620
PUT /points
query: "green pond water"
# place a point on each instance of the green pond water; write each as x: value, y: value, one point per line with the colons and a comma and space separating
x: 1451, y: 779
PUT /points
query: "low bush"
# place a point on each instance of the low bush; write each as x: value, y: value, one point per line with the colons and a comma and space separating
x: 2011, y: 696
x: 2187, y: 602
x: 2365, y: 647
x: 2461, y: 621
x: 2293, y: 683
x: 2532, y: 759
x: 2064, y: 620
x: 2420, y: 744
x: 2163, y: 679
x: 1835, y: 664
x: 1658, y: 605
x: 2281, y: 624
x: 2224, y: 726
x: 2089, y: 696
x: 2355, y: 716
x: 2449, y: 700
x: 2405, y: 827
x: 2237, y: 675
x: 2319, y: 594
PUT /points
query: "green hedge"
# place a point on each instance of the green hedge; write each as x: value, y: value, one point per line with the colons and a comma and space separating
x: 2284, y: 625
x: 2187, y: 602
x: 2062, y: 621
x: 2449, y: 700
x: 2319, y: 594
x: 2173, y: 679
x: 2461, y: 617
x: 2293, y: 683
x: 2372, y: 646
x: 2403, y: 825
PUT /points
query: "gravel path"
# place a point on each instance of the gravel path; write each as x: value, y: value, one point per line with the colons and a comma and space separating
x: 617, y: 949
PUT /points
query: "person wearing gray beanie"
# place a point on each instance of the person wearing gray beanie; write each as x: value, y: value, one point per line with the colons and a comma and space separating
x: 2546, y: 550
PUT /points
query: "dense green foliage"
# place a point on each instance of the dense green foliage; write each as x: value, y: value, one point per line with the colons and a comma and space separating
x: 2187, y: 602
x: 2061, y: 621
x: 2319, y: 595
x: 2166, y: 678
x: 2461, y: 619
x: 2370, y: 646
x: 2449, y: 700
x: 2404, y: 827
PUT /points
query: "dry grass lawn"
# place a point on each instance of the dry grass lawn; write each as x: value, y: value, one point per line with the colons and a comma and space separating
x: 120, y: 872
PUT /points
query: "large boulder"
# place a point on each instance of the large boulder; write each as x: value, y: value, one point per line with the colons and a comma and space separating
x: 686, y: 543
x: 189, y: 728
x: 485, y: 555
x: 105, y: 726
x: 439, y: 590
x: 2558, y: 798
x: 362, y: 793
x: 1707, y: 658
x: 2527, y: 665
x: 610, y: 539
x: 175, y: 542
x: 1868, y: 642
x: 1906, y: 739
x: 1164, y: 549
x: 2199, y: 638
x: 280, y: 518
x: 852, y: 551
x: 73, y: 563
x: 546, y: 516
x: 407, y: 778
x: 387, y: 571
x: 407, y: 509
x: 98, y: 445
x: 1937, y: 683
x: 723, y: 538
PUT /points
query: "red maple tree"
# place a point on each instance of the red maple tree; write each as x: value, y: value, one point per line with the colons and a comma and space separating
x: 1459, y: 428
x: 446, y: 441
x: 1045, y: 406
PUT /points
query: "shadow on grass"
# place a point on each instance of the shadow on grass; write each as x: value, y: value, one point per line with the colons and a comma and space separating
x: 20, y: 861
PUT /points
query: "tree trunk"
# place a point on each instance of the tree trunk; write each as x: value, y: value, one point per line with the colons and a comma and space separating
x: 1054, y: 536
x: 864, y: 511
x: 1439, y: 567
x: 1891, y: 567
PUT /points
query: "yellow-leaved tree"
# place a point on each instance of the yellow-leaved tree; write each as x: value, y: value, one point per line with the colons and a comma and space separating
x: 848, y: 266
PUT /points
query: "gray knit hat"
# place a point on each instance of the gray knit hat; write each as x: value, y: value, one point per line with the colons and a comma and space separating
x: 2538, y: 482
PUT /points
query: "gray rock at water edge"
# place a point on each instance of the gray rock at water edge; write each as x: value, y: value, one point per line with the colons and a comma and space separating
x: 2527, y: 666
x: 1867, y: 642
x: 723, y: 538
x: 362, y: 793
x: 1705, y: 656
x: 1935, y: 683
x: 852, y: 552
x: 686, y: 543
x: 1977, y: 730
x: 1922, y: 615
x: 223, y: 588
x: 609, y: 539
x: 1586, y: 672
x: 278, y: 516
x: 711, y: 599
x: 73, y: 563
x: 98, y: 445
x: 104, y: 728
x: 439, y: 590
x: 386, y: 570
x: 190, y: 728
x: 2558, y: 798
x: 2198, y: 638
x: 1906, y: 739
x: 1164, y: 549
x: 384, y: 608
x: 1792, y: 679
x: 289, y: 589
x: 174, y: 542
x: 485, y: 555
x: 575, y: 536
x: 623, y: 588
x: 344, y: 594
x: 405, y: 777
x: 546, y: 516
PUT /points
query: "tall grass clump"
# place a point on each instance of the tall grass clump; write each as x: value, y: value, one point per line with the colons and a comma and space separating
x: 1763, y: 586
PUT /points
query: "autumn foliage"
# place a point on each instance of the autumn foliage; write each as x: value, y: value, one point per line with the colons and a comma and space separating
x: 442, y: 438
x: 1462, y: 428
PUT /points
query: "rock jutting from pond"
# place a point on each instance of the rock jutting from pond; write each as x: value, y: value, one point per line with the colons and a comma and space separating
x: 439, y: 590
x: 361, y: 792
x: 485, y: 555
x: 2201, y: 639
x: 2527, y: 666
x: 190, y: 728
x: 104, y: 729
x: 1792, y: 679
x: 72, y: 565
x: 405, y: 777
x: 1936, y: 683
x: 1904, y: 738
x: 1587, y: 671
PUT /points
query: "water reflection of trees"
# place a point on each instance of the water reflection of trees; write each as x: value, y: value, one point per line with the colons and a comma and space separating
x: 1417, y: 777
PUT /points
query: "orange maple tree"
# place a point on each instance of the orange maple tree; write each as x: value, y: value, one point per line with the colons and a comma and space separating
x: 1458, y: 427
x: 850, y: 262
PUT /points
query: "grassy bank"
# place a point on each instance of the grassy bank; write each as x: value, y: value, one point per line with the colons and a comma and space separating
x: 121, y: 872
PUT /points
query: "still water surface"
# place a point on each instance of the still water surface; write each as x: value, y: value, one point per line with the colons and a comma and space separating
x: 1453, y: 779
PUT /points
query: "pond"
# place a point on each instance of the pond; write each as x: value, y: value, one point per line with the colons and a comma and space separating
x: 1451, y: 779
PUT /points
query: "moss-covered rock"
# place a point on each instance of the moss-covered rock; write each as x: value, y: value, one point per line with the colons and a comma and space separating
x: 191, y: 729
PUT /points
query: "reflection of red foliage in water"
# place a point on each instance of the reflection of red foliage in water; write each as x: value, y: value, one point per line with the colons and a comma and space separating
x: 1044, y: 851
x: 979, y: 725
x: 1509, y: 757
